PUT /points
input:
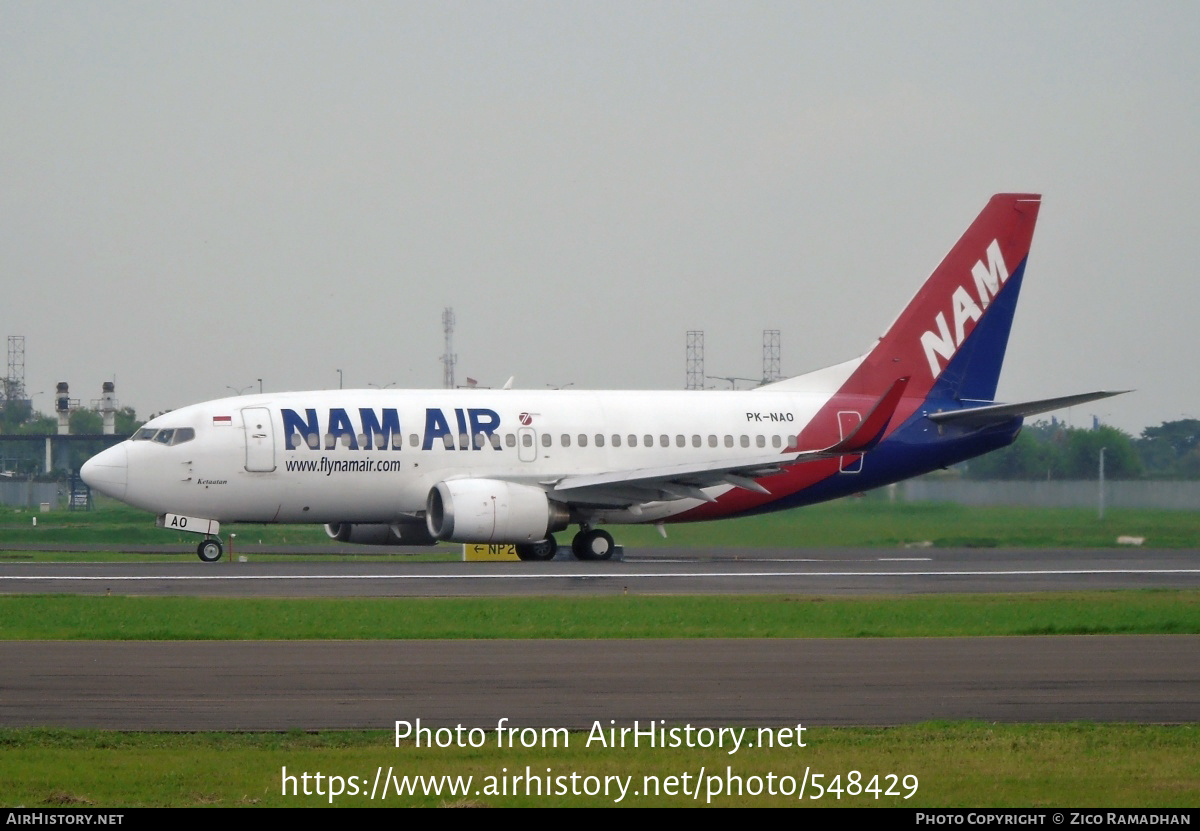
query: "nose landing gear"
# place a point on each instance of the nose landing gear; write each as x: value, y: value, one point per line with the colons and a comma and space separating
x: 209, y: 550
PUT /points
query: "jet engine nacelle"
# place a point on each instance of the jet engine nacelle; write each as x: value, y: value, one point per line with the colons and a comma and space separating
x: 490, y: 510
x: 397, y: 533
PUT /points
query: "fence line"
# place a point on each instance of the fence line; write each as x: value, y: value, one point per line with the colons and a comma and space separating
x: 1169, y: 496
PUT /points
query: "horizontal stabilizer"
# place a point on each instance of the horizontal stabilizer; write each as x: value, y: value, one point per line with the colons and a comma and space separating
x: 1001, y: 413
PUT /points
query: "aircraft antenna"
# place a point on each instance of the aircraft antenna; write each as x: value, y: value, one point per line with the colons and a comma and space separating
x: 695, y: 359
x: 771, y: 368
x: 449, y: 359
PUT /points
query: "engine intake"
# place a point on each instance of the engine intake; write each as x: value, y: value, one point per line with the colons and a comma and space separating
x: 491, y: 510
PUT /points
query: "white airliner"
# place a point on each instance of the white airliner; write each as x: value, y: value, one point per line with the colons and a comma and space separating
x: 515, y: 466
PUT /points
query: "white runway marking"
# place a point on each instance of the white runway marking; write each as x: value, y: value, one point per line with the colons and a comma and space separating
x: 620, y: 576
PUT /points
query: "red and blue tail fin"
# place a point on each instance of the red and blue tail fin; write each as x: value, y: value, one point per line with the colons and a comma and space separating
x: 950, y: 339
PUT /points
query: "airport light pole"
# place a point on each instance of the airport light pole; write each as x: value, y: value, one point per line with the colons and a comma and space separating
x: 339, y: 372
x: 1102, y: 449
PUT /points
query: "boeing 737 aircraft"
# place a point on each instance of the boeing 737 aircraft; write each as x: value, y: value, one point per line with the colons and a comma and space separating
x: 516, y: 466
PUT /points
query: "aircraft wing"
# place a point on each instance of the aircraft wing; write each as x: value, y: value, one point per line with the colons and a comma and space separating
x: 688, y: 481
x: 673, y: 482
x: 1000, y: 413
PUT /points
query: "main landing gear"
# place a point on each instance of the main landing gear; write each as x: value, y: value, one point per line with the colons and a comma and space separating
x: 593, y: 544
x: 538, y: 551
x: 588, y: 544
x: 209, y: 550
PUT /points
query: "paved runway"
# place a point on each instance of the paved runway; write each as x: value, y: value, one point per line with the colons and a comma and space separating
x: 284, y: 685
x: 370, y: 684
x: 735, y: 571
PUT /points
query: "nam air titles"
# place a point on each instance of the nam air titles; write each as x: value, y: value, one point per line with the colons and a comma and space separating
x: 367, y: 428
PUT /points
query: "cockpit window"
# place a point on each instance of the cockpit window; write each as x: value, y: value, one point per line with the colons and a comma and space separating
x: 172, y: 436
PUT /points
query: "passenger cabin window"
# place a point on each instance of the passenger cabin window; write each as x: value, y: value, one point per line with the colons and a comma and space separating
x: 760, y: 441
x: 566, y: 439
x: 633, y: 440
x: 413, y: 441
x: 583, y: 439
x: 526, y: 440
x: 599, y: 439
x: 510, y: 440
x: 664, y: 440
x: 728, y: 441
x: 448, y: 441
x: 695, y: 441
x: 546, y: 439
x: 712, y: 440
x: 745, y: 441
x: 616, y: 440
x: 776, y: 441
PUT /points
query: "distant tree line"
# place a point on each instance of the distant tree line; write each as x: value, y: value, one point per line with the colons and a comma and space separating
x: 29, y: 458
x: 1051, y: 450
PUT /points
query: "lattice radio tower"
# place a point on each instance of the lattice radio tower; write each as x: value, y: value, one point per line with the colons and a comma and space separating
x: 14, y: 382
x: 771, y: 367
x: 449, y: 359
x: 695, y: 359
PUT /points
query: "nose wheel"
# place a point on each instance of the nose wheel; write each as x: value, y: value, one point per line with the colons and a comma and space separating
x: 210, y: 550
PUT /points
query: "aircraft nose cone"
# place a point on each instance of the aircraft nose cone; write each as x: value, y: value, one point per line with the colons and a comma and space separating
x: 108, y: 471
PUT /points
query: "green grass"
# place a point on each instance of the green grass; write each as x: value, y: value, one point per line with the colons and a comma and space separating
x: 956, y: 765
x: 869, y: 521
x: 59, y: 617
x: 115, y: 524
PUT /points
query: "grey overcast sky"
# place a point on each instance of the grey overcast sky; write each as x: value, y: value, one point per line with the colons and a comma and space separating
x: 196, y: 195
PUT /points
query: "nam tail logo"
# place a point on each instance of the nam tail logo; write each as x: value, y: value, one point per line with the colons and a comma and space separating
x: 988, y: 280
